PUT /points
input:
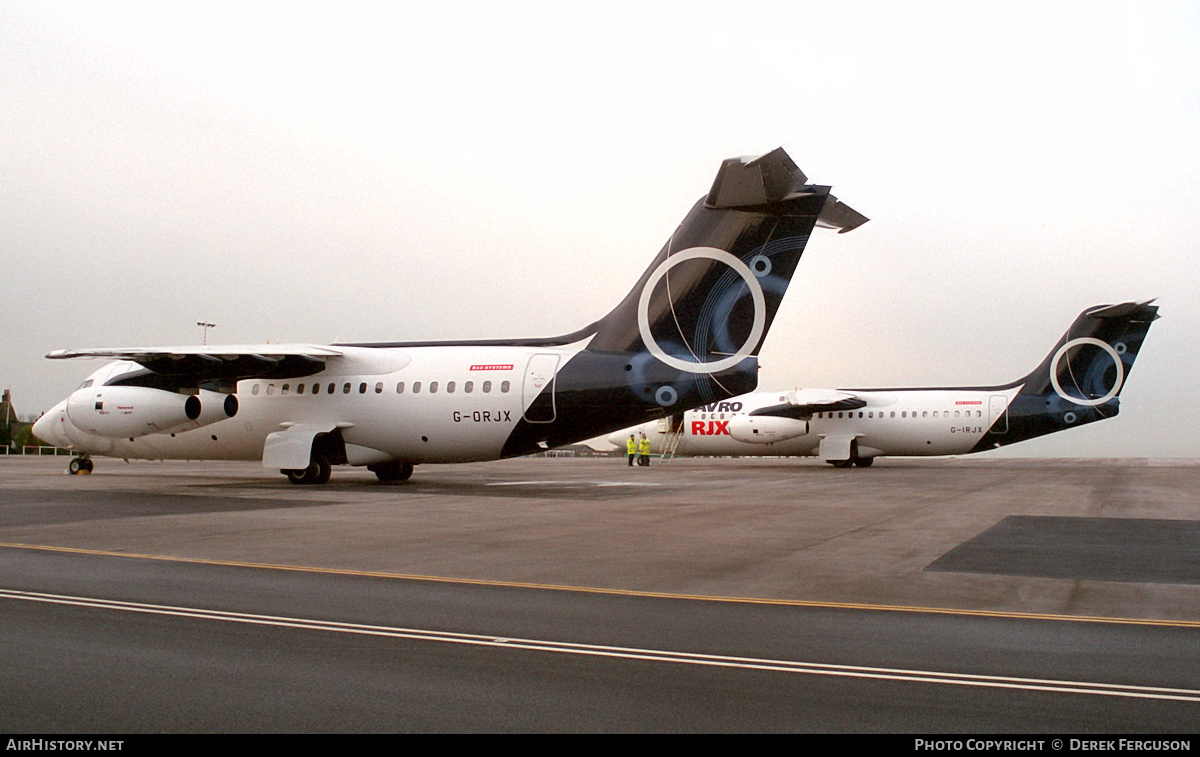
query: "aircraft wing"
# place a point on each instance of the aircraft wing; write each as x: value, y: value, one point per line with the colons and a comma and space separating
x: 218, y: 362
x: 803, y: 404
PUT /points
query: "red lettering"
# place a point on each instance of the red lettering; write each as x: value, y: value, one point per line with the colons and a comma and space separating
x: 697, y: 428
x: 722, y: 427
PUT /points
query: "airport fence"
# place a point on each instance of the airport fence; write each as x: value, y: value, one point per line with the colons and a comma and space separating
x: 35, y: 450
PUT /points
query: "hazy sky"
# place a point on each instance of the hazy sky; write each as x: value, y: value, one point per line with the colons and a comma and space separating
x: 315, y: 172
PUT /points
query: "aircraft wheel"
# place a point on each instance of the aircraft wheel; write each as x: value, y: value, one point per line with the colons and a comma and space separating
x: 864, y: 462
x: 317, y: 472
x: 393, y: 471
x: 323, y: 470
x: 75, y: 467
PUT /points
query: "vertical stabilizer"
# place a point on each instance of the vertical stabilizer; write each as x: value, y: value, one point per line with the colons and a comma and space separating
x: 690, y: 330
x: 1080, y: 381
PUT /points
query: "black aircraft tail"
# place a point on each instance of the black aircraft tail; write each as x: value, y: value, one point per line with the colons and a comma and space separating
x: 690, y: 330
x: 1080, y: 381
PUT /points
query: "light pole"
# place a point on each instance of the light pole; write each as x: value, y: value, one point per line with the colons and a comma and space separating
x: 206, y: 327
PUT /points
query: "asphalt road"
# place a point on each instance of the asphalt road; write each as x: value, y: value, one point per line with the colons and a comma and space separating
x: 580, y: 595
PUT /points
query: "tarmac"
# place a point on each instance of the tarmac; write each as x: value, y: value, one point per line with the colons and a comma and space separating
x: 1102, y: 538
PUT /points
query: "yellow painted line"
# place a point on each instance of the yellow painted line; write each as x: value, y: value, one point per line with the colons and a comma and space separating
x: 613, y: 592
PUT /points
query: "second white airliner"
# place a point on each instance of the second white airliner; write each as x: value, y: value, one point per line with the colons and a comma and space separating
x: 1079, y: 382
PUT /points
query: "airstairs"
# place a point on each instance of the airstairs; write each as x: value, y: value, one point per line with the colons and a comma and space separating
x: 671, y: 428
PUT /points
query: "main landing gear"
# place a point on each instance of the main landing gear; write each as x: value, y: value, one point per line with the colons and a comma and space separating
x: 862, y: 462
x: 392, y: 471
x: 79, y: 466
x: 317, y: 472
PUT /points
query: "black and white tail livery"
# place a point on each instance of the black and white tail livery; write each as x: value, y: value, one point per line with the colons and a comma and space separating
x: 688, y: 333
x: 690, y: 330
x: 1079, y: 382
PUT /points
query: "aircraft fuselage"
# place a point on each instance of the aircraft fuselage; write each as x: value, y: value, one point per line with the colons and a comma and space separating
x: 424, y: 404
x: 892, y: 422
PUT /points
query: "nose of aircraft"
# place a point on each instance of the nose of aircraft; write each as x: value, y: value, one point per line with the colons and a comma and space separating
x: 45, y: 428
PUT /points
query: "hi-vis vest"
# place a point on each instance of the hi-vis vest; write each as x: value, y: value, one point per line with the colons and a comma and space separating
x: 644, y: 446
x: 631, y: 446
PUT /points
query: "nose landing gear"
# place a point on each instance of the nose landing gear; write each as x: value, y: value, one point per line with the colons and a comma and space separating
x: 79, y: 466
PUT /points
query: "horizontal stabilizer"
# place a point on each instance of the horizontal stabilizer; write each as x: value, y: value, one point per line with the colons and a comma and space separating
x: 1125, y: 309
x: 756, y: 181
x: 774, y: 178
x: 838, y: 215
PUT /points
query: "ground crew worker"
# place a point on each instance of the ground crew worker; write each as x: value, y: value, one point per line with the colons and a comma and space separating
x: 631, y: 447
x: 644, y: 449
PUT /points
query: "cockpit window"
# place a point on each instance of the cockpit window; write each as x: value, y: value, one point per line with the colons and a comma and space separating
x: 85, y: 384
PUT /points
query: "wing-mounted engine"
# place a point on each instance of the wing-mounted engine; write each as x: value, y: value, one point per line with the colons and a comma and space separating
x: 766, y: 429
x: 790, y: 418
x: 128, y: 412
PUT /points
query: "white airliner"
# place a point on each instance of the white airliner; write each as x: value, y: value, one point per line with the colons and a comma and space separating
x: 687, y: 334
x: 1079, y: 382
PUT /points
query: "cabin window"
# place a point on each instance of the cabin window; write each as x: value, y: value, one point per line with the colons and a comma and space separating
x: 346, y: 388
x: 450, y: 387
x: 254, y: 389
x: 330, y: 389
x: 316, y: 389
x: 504, y: 386
x: 299, y: 388
x: 379, y: 388
x: 904, y: 414
x: 469, y: 387
x: 284, y: 389
x: 362, y: 388
x: 432, y: 387
x: 893, y: 413
x: 870, y: 415
x: 924, y: 413
x: 400, y: 388
x: 270, y: 388
x: 934, y: 413
x: 416, y: 387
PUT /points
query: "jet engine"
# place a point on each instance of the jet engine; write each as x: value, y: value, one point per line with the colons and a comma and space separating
x: 766, y: 429
x: 128, y: 412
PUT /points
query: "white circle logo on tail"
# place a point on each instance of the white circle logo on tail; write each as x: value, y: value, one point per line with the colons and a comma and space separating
x: 756, y: 293
x: 1102, y: 345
